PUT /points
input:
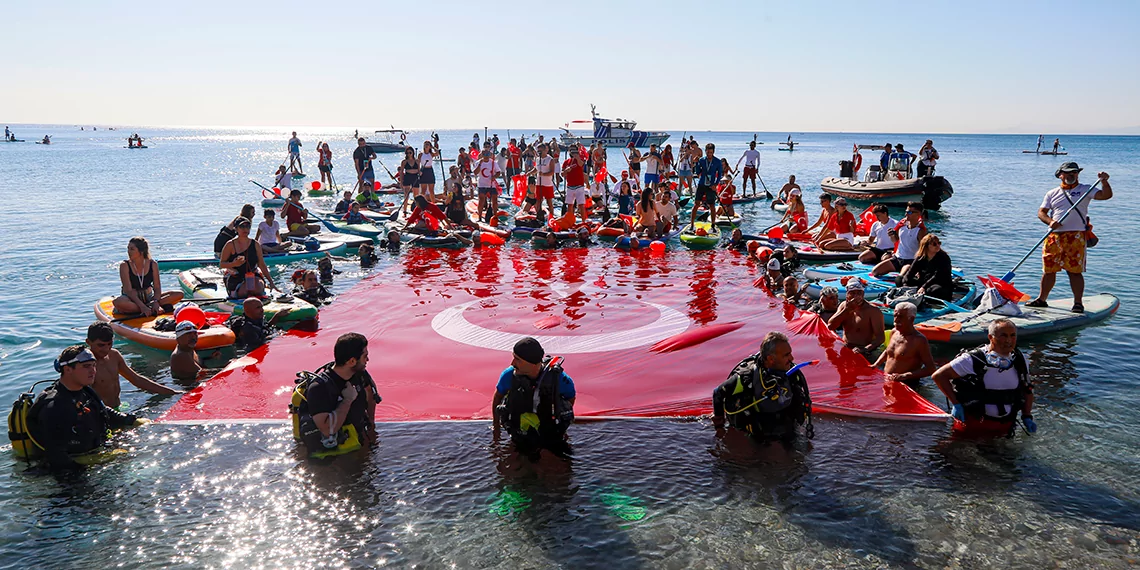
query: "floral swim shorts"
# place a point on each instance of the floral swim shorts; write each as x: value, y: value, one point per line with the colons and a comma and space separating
x: 1064, y: 250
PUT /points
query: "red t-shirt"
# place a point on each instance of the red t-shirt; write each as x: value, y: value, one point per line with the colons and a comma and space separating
x: 432, y: 210
x: 842, y: 223
x: 573, y: 173
x: 293, y: 214
x: 515, y: 160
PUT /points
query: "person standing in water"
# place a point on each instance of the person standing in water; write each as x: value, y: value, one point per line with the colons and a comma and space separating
x: 751, y: 168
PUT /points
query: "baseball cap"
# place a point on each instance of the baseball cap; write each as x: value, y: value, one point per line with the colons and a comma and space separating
x: 841, y: 201
x: 184, y: 327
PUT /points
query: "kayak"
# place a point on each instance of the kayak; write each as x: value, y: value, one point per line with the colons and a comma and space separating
x: 807, y: 251
x: 1058, y: 316
x: 691, y: 240
x: 270, y: 258
x: 203, y: 284
x: 141, y: 329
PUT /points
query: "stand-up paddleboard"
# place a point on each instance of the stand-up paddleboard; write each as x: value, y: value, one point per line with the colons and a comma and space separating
x: 807, y: 251
x: 1058, y: 316
x: 203, y: 284
x: 638, y: 343
x: 270, y: 258
x: 142, y: 331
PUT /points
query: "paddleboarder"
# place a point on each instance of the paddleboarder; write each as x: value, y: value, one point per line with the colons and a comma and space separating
x: 295, y: 155
x: 1056, y: 145
x: 362, y: 158
x: 1040, y: 141
x: 1065, y: 248
x: 751, y: 168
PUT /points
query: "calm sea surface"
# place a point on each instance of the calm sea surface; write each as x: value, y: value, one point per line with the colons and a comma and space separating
x: 652, y: 494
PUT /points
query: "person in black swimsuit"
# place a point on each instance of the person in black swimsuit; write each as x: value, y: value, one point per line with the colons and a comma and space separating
x: 246, y: 273
x: 142, y: 287
x: 229, y: 231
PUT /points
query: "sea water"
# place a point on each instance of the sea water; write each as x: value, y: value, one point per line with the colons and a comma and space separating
x: 653, y: 494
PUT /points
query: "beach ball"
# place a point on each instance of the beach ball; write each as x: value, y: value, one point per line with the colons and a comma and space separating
x: 191, y: 313
x: 657, y: 247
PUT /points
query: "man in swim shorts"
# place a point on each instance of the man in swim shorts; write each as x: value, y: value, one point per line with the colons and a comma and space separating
x: 487, y: 169
x: 1066, y: 244
x: 907, y: 357
x: 295, y: 155
x: 862, y: 322
x: 574, y: 171
x: 751, y: 168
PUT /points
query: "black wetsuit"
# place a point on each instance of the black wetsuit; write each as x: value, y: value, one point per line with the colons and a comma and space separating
x: 67, y: 423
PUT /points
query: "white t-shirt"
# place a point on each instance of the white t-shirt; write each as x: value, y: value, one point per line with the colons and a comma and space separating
x: 487, y: 170
x: 752, y: 158
x: 994, y: 380
x: 426, y: 161
x: 268, y: 233
x: 597, y: 189
x: 927, y: 156
x: 1057, y: 200
x: 667, y: 211
x: 652, y: 164
x: 284, y: 182
x: 878, y: 234
x: 543, y: 164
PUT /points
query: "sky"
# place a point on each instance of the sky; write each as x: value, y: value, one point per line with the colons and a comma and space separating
x: 930, y: 67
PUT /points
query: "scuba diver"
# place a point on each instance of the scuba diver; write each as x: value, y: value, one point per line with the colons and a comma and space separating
x: 765, y: 396
x: 334, y: 409
x: 534, y: 400
x: 989, y: 385
x: 68, y: 419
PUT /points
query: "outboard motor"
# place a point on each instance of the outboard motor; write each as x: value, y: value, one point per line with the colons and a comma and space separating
x: 846, y: 169
x: 935, y: 190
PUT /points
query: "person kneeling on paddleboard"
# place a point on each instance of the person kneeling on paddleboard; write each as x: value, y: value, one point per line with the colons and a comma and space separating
x: 334, y: 409
x: 534, y: 400
x: 989, y: 385
x: 67, y: 419
x: 765, y: 396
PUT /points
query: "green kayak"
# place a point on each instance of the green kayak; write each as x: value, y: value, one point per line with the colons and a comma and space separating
x: 692, y: 240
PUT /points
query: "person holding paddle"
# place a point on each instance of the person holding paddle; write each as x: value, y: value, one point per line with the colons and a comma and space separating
x: 362, y: 158
x: 1068, y: 238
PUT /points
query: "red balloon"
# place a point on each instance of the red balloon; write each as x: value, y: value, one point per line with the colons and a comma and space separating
x: 316, y: 185
x: 277, y: 191
x: 192, y: 314
x: 657, y: 247
x: 377, y: 185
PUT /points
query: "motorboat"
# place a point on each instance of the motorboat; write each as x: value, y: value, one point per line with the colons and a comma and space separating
x: 388, y: 140
x: 612, y: 132
x: 894, y: 187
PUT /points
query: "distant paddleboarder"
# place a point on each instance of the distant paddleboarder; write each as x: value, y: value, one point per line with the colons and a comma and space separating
x: 295, y: 155
x: 1056, y: 145
x: 1040, y: 141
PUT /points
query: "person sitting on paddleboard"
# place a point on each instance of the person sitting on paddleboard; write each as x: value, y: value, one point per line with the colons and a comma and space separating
x: 1068, y: 239
x: 345, y: 204
x: 110, y: 364
x: 989, y: 385
x: 761, y: 399
x: 68, y: 418
x: 726, y: 196
x: 142, y: 283
x: 907, y: 234
x: 824, y: 216
x: 269, y: 234
x: 244, y: 263
x: 646, y: 210
x: 666, y: 212
x: 862, y: 322
x: 229, y: 231
x: 354, y: 216
x: 840, y: 230
x: 795, y: 216
x: 880, y: 241
x: 421, y: 213
x: 534, y: 400
x: 907, y: 358
x: 931, y: 270
x: 296, y: 215
x: 282, y: 180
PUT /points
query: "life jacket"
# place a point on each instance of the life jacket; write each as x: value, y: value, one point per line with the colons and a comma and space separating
x: 305, y: 429
x: 972, y: 393
x: 533, y: 408
x: 767, y: 404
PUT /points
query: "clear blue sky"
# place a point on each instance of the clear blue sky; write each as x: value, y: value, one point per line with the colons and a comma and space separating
x: 998, y: 66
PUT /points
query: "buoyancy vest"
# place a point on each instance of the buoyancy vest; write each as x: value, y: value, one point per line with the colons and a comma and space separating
x: 534, y: 407
x: 972, y: 393
x: 768, y: 403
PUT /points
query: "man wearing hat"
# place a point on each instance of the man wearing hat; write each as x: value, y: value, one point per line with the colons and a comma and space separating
x: 1065, y: 245
x: 69, y: 418
x: 534, y: 399
x: 774, y: 278
x: 184, y: 363
x: 862, y: 322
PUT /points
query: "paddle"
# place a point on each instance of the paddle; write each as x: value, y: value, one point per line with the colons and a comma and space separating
x: 1008, y: 277
x: 949, y: 305
x: 264, y: 189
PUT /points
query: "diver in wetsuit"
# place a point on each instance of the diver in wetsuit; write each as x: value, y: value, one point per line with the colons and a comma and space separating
x: 761, y: 398
x: 534, y: 400
x: 68, y: 418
